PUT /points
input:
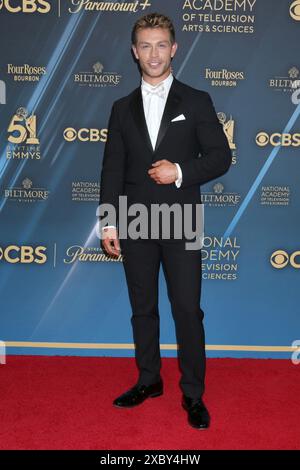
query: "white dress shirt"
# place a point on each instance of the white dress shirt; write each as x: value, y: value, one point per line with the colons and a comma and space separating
x: 154, y: 105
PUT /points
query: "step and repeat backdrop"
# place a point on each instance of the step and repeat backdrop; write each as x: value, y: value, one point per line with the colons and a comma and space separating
x: 62, y: 65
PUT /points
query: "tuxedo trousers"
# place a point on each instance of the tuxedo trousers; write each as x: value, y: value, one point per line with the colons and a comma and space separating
x: 142, y: 259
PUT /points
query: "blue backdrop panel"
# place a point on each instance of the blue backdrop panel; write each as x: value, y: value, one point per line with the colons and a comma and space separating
x: 62, y: 65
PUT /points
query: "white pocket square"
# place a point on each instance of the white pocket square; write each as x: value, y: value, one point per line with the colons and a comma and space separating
x: 181, y: 117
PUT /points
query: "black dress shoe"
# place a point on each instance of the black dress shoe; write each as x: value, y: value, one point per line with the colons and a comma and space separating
x: 198, y: 416
x: 138, y: 394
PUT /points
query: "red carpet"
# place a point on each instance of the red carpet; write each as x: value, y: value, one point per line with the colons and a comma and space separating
x: 66, y: 403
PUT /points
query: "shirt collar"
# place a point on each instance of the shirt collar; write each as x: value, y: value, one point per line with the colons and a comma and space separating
x: 167, y: 83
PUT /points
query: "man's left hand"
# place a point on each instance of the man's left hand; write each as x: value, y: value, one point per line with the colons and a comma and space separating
x: 163, y: 172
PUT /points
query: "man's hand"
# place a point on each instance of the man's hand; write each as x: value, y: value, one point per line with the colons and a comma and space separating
x: 110, y: 241
x: 164, y: 172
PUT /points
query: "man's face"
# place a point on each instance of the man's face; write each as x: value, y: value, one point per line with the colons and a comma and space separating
x: 154, y: 51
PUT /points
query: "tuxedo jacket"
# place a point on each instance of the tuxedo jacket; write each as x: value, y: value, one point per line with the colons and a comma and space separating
x: 197, y: 143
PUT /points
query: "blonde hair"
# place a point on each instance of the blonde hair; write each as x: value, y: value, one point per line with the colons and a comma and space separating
x: 153, y: 20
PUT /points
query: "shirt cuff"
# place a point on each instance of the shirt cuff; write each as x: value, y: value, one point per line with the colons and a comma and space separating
x: 109, y: 226
x: 179, y: 179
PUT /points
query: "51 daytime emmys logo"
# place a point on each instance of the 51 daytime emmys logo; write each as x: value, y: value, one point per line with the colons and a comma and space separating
x: 22, y: 131
x: 25, y: 6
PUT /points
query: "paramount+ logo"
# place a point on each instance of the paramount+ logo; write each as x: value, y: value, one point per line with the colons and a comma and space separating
x: 25, y: 6
x: 25, y: 254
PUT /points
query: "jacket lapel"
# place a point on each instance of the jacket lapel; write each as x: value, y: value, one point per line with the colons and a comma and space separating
x: 171, y: 106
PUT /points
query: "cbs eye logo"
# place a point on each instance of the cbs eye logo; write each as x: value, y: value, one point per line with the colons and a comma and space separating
x: 25, y: 6
x: 295, y: 10
x: 70, y: 134
x: 280, y: 259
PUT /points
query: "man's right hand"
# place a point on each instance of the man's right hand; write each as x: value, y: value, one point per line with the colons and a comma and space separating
x: 110, y: 241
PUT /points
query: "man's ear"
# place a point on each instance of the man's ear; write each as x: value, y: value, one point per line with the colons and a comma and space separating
x: 134, y: 51
x: 174, y: 49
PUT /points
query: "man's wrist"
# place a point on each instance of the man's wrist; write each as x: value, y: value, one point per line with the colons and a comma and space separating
x: 178, y: 180
x: 176, y: 171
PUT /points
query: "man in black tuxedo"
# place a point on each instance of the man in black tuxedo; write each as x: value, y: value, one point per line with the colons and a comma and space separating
x: 164, y: 141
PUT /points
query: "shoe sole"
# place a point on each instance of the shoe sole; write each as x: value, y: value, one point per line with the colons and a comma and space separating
x: 153, y: 395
